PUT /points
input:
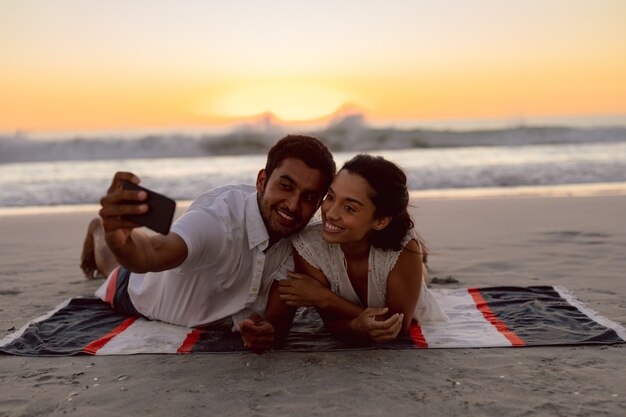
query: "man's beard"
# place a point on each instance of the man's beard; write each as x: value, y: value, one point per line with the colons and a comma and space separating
x: 281, y: 231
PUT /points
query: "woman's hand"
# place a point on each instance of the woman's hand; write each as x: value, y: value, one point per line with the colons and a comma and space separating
x: 367, y: 326
x: 302, y: 290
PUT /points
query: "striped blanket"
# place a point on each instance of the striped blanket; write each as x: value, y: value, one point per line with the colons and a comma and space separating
x: 478, y: 317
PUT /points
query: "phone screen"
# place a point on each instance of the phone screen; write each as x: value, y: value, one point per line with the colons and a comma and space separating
x: 160, y: 209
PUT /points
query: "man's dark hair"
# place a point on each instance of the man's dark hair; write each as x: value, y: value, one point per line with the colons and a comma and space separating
x: 310, y: 150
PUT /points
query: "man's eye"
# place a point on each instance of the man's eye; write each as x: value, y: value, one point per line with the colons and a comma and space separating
x: 349, y: 209
x: 285, y: 187
x: 329, y: 197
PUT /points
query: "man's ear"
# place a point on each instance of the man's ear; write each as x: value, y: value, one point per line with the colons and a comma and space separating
x: 261, y: 178
x: 381, y: 222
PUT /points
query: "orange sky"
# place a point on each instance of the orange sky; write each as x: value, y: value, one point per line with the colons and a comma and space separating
x: 87, y: 65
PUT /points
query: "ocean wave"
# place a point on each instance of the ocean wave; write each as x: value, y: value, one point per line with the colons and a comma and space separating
x: 349, y: 134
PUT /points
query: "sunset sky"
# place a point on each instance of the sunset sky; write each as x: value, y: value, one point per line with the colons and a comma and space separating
x: 71, y: 65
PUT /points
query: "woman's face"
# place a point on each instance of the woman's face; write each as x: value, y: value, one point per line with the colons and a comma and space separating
x: 347, y: 211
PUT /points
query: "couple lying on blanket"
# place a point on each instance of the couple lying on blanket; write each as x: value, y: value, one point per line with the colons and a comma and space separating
x: 251, y: 255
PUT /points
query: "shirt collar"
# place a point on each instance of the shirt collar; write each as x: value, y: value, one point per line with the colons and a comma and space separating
x: 257, y: 232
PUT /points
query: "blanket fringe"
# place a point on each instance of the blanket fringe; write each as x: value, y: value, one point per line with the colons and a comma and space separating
x: 591, y: 313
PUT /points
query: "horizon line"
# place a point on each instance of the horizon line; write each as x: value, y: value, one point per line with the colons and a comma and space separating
x: 268, y: 120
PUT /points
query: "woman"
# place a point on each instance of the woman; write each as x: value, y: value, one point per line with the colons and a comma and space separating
x: 363, y: 266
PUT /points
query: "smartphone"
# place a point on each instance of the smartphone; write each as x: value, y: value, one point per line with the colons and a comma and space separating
x: 160, y: 209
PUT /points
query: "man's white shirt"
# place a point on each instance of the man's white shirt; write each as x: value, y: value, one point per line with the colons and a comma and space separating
x: 226, y: 273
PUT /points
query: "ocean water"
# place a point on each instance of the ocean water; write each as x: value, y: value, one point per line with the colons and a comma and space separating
x: 81, y: 181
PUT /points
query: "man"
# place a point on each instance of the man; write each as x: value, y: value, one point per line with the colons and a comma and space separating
x: 221, y: 256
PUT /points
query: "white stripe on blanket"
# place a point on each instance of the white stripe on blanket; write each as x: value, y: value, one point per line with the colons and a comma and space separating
x: 466, y: 325
x: 145, y: 336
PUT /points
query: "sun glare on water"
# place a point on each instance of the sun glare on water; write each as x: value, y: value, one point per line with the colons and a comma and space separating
x: 290, y: 101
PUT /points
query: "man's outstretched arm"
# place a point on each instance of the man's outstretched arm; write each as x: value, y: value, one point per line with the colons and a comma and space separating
x: 136, y: 250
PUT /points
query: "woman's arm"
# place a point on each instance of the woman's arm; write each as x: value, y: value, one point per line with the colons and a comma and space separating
x: 309, y: 287
x: 344, y: 319
x: 404, y: 283
x: 372, y: 324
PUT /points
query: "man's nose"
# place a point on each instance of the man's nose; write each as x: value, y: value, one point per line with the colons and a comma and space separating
x: 292, y: 202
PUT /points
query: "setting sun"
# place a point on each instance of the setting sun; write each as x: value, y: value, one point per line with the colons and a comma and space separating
x: 289, y: 100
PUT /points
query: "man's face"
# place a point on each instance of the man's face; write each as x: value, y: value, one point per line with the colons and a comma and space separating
x: 289, y: 197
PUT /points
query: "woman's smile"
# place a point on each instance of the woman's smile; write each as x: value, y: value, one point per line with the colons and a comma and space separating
x: 331, y: 228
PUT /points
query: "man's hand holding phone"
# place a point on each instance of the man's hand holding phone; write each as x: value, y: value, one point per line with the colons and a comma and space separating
x: 127, y: 206
x: 160, y: 209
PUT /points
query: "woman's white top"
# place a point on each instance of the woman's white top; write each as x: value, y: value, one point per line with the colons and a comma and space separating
x: 330, y: 260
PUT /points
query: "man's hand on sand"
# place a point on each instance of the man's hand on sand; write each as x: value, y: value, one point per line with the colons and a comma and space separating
x: 367, y: 325
x: 257, y: 333
x: 117, y: 229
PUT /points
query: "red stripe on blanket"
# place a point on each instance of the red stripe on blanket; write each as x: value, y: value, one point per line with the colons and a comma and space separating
x: 111, y: 286
x: 190, y: 341
x: 483, y: 307
x: 97, y: 344
x: 415, y: 331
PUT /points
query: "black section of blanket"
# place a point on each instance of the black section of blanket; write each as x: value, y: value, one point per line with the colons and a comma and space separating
x: 539, y: 316
x: 68, y: 330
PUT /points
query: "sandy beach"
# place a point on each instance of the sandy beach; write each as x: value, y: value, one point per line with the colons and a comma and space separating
x: 575, y: 242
